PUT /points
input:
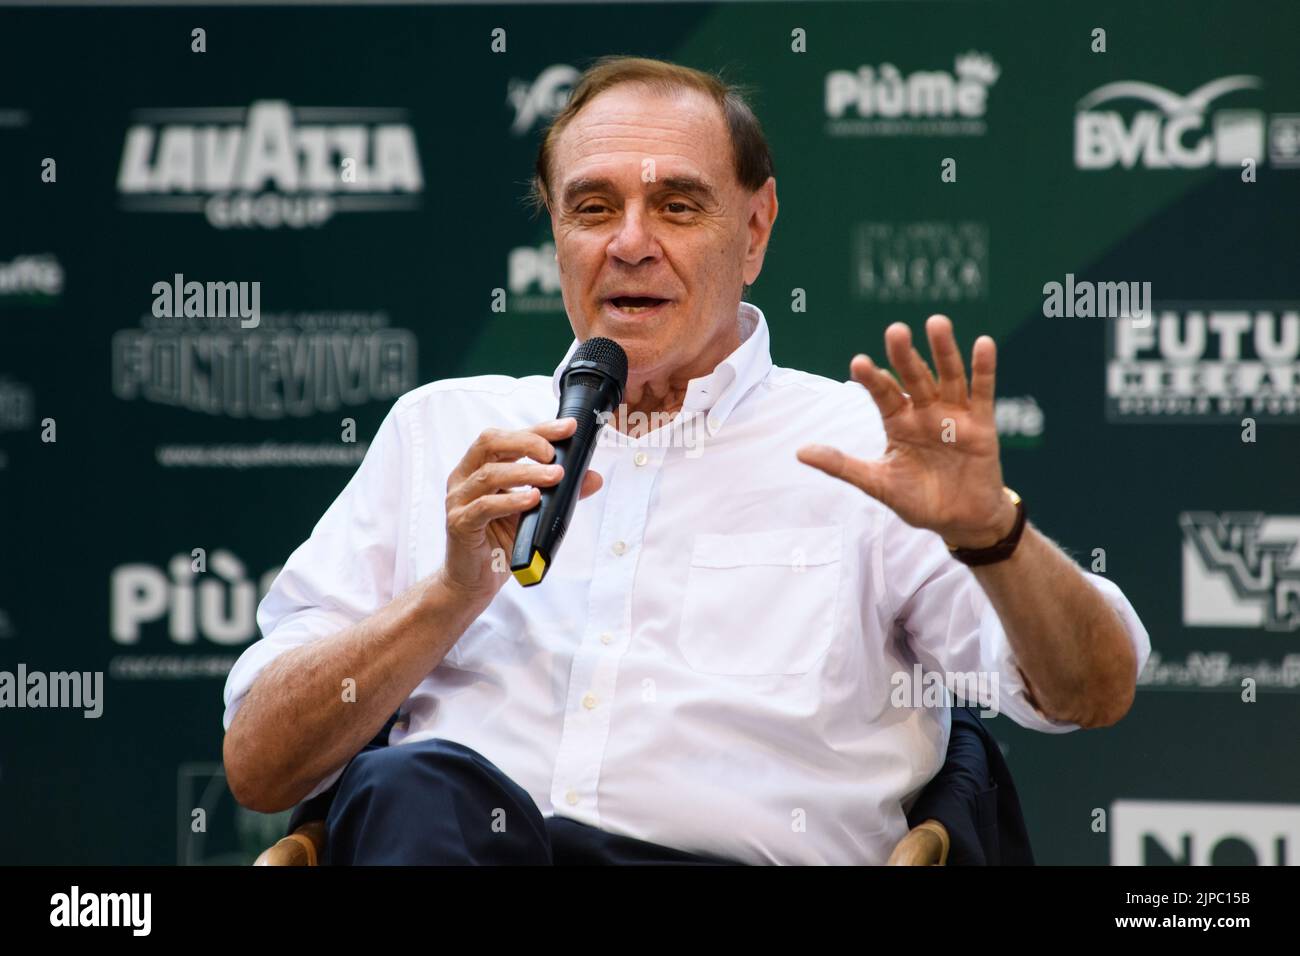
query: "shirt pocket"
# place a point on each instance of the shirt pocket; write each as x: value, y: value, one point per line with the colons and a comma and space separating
x: 762, y: 602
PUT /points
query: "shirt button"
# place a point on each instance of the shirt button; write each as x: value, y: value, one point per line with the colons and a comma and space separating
x: 619, y: 547
x: 607, y: 638
x: 571, y: 798
x: 640, y: 458
x: 589, y: 701
x: 713, y: 423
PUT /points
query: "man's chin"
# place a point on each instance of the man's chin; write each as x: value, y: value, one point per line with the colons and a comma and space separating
x: 643, y: 354
x: 626, y: 332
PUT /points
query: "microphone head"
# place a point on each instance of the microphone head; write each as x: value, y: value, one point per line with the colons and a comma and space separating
x: 601, y: 356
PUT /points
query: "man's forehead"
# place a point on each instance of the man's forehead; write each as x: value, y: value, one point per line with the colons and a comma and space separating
x: 626, y: 132
x: 662, y: 110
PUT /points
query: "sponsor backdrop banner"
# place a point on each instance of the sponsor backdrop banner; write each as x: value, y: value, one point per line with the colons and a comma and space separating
x: 345, y: 186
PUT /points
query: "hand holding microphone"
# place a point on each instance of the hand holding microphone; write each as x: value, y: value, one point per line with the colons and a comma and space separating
x: 483, y: 509
x: 590, y: 388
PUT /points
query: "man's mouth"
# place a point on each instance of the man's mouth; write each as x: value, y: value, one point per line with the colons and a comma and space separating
x: 633, y: 304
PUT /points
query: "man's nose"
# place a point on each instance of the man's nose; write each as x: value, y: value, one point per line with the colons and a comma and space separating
x: 635, y: 241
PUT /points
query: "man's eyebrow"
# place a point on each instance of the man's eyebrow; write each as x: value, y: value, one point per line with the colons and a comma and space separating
x: 681, y: 184
x: 689, y: 184
x: 580, y: 187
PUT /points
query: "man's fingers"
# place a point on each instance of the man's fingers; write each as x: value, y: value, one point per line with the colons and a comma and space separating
x: 496, y: 444
x: 983, y: 364
x: 470, y: 519
x: 911, y: 368
x: 863, y: 474
x: 556, y: 428
x: 947, y: 360
x: 884, y: 388
x: 498, y: 476
x: 591, y: 483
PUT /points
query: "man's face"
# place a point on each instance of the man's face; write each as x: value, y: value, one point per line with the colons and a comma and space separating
x: 653, y: 233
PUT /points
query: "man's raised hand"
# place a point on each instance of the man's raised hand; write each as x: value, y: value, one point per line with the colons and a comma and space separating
x: 940, y: 469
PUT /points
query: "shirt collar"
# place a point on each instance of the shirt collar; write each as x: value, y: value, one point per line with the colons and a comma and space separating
x: 717, y: 393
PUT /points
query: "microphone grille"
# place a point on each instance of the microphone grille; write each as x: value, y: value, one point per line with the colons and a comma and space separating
x: 605, y: 354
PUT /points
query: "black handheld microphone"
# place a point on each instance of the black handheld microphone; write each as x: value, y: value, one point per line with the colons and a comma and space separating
x: 591, y: 386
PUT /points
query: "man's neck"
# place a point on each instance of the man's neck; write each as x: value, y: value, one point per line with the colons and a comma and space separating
x: 650, y: 403
x: 649, y: 407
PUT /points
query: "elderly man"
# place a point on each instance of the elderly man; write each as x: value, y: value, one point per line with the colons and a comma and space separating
x: 711, y: 670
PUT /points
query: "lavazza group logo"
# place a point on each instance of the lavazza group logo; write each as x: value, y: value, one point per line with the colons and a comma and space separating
x: 1181, y: 132
x: 270, y: 164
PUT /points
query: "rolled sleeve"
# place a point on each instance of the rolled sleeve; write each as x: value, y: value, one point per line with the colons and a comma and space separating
x: 953, y: 627
x: 342, y: 573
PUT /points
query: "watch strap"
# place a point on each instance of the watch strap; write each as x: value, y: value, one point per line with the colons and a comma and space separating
x: 1002, y: 549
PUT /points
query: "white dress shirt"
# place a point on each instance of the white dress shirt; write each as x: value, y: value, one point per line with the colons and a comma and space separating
x: 710, y: 661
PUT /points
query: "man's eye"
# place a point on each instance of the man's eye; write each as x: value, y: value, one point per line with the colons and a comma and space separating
x: 685, y: 207
x: 594, y: 207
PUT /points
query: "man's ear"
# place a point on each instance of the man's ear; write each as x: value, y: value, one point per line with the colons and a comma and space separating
x: 762, y: 216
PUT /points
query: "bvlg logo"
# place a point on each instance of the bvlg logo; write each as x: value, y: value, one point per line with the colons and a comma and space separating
x: 1180, y: 132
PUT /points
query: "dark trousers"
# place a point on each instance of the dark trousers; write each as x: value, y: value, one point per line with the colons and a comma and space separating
x: 437, y: 802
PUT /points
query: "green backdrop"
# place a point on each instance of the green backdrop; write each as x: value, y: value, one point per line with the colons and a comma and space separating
x: 171, y: 436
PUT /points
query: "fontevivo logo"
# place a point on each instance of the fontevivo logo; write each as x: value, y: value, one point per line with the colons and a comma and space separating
x: 294, y: 364
x: 1181, y: 132
x: 271, y: 164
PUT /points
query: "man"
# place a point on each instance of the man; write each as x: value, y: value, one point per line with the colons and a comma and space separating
x: 710, y: 671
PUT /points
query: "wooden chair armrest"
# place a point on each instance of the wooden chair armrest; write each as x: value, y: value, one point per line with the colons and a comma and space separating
x: 926, y: 844
x: 302, y: 847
